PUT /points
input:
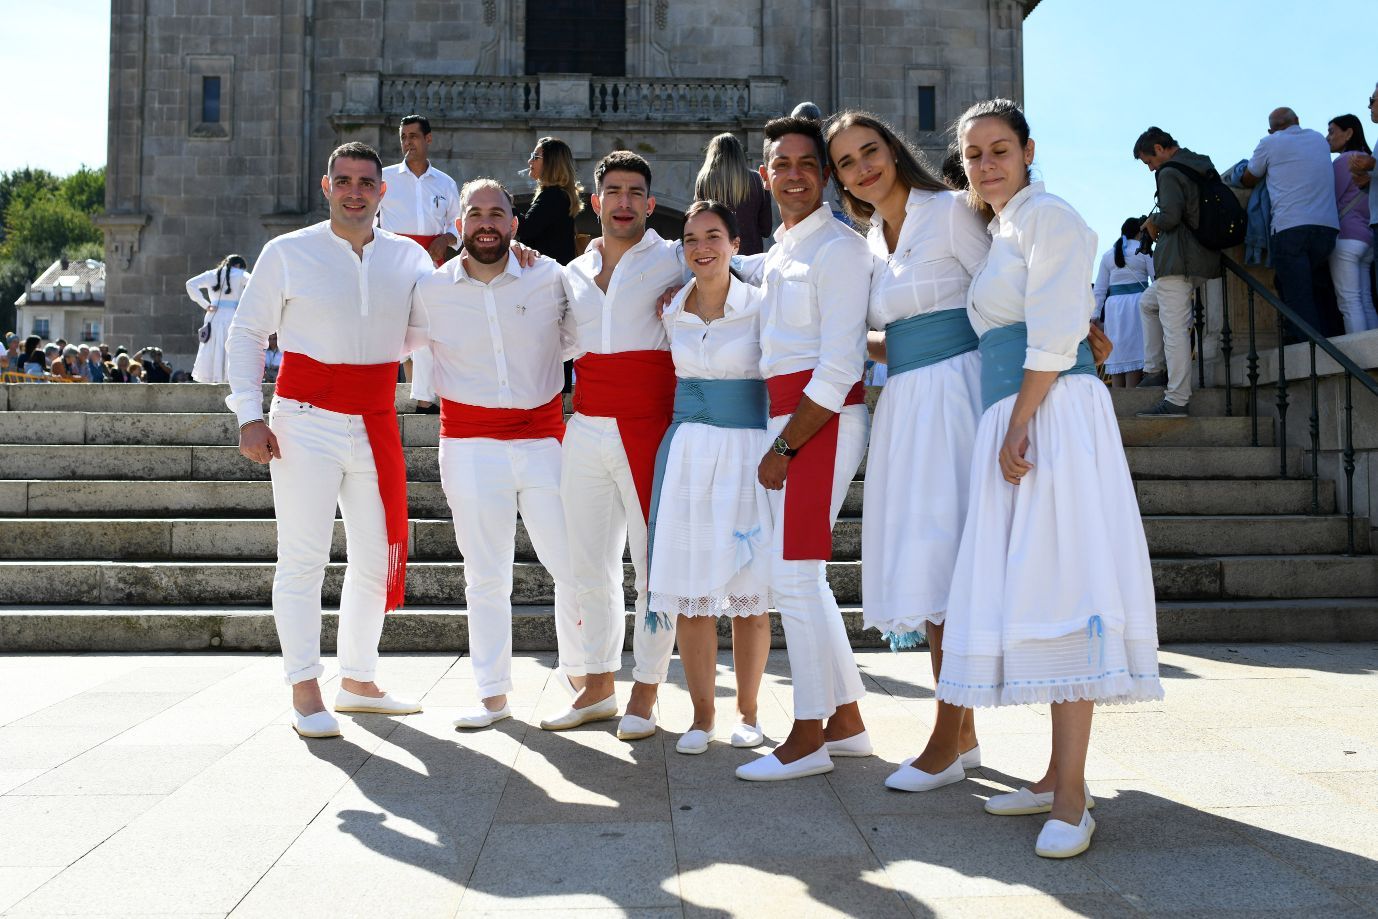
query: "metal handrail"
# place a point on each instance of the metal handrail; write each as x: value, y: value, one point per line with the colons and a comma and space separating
x: 1314, y: 340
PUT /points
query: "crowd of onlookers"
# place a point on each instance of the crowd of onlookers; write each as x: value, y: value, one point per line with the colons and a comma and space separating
x: 34, y: 360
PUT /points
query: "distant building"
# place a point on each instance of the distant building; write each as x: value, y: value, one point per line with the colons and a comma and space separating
x: 222, y: 114
x: 67, y: 301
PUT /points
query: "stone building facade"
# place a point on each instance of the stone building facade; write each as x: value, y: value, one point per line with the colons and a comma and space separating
x: 222, y: 112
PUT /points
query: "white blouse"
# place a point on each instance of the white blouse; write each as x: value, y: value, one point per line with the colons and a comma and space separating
x: 327, y: 303
x: 728, y: 348
x: 1038, y: 273
x: 942, y: 245
x: 202, y: 286
x: 1138, y: 269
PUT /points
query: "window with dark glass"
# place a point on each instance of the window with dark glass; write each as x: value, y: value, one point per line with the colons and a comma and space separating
x: 577, y: 36
x: 928, y: 108
x: 210, y: 100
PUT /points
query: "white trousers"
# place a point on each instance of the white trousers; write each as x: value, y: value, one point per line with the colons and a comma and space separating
x: 487, y: 482
x: 1167, y: 313
x: 326, y: 460
x: 602, y: 515
x: 822, y: 668
x: 1350, y: 264
x: 422, y: 362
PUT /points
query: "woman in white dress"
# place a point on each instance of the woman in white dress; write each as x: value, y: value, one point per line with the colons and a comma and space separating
x: 1125, y: 273
x: 216, y: 291
x: 928, y: 242
x: 1052, y: 598
x: 710, y: 521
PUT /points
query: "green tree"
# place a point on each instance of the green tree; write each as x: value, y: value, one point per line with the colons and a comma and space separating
x: 85, y: 190
x: 25, y: 185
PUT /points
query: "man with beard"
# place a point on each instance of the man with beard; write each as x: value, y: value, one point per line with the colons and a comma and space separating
x: 338, y: 295
x: 499, y: 334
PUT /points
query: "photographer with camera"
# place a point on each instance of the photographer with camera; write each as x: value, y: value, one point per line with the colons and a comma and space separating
x: 1180, y: 265
x: 155, y: 369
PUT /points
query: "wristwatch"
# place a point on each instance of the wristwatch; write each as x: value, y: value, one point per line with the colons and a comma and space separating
x: 783, y: 448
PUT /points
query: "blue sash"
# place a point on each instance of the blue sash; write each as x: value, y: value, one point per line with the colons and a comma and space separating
x: 720, y: 403
x: 1002, y: 362
x: 921, y: 341
x: 1124, y: 290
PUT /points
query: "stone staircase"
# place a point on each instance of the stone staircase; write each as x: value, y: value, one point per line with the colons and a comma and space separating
x: 129, y: 522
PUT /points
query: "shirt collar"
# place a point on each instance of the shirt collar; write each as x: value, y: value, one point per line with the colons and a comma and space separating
x: 804, y: 228
x: 918, y: 197
x: 649, y: 239
x: 1016, y: 204
x: 512, y: 269
x: 402, y: 168
x: 738, y: 297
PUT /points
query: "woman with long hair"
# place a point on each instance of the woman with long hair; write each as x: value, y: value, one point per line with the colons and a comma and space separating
x: 217, y: 292
x: 1351, y: 261
x: 1052, y: 597
x: 1124, y: 275
x: 710, y: 523
x: 726, y: 177
x: 928, y: 242
x: 548, y: 225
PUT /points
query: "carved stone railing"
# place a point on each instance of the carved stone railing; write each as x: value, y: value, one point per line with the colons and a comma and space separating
x: 451, y: 97
x: 680, y: 100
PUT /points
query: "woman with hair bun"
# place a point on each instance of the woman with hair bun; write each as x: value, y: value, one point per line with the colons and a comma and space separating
x: 216, y: 291
x: 1125, y: 273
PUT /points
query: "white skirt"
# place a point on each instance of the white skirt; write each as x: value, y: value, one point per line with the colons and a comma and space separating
x: 713, y: 526
x: 210, y: 366
x: 1052, y: 597
x: 917, y: 481
x: 1124, y: 327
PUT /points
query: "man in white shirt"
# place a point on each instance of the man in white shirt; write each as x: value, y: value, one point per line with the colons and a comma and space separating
x: 1301, y: 185
x: 813, y: 345
x: 499, y: 334
x: 338, y: 294
x: 422, y: 204
x: 623, y: 402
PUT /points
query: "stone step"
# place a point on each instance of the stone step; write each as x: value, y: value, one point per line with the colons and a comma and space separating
x: 220, y: 464
x: 1204, y: 402
x: 1233, y: 496
x: 130, y: 538
x: 196, y: 429
x: 37, y: 629
x: 235, y: 583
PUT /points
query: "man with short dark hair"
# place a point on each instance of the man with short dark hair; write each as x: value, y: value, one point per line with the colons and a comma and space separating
x: 1181, y: 264
x: 813, y: 348
x: 338, y: 294
x: 422, y: 204
x: 1305, y: 218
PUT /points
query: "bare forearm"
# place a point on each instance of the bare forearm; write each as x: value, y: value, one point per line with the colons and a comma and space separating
x: 807, y: 420
x: 1032, y: 392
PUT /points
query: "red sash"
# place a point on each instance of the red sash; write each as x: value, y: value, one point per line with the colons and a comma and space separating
x: 638, y: 389
x: 367, y: 390
x: 425, y: 243
x: 458, y: 419
x: 809, y: 497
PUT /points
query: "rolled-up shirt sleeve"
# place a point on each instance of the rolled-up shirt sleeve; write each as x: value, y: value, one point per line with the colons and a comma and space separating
x: 194, y: 286
x: 841, y: 276
x: 1258, y: 163
x: 258, y: 316
x: 1059, y: 249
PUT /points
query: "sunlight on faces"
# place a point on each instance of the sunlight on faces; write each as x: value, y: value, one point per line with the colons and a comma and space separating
x: 795, y: 176
x: 486, y: 225
x: 416, y: 145
x: 865, y: 163
x: 534, y: 162
x: 353, y: 189
x: 708, y: 246
x: 996, y: 165
x: 622, y: 204
x: 1337, y: 137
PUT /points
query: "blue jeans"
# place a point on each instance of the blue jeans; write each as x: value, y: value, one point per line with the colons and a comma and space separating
x: 1301, y: 264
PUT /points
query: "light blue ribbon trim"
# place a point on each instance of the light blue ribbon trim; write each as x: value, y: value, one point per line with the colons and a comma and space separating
x: 1095, y: 630
x: 899, y: 641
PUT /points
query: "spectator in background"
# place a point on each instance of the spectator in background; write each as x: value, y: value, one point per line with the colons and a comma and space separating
x: 113, y: 373
x: 1301, y: 185
x: 52, y: 351
x: 1180, y: 264
x: 134, y: 371
x: 13, y: 360
x: 548, y: 225
x: 272, y: 360
x: 104, y: 352
x: 216, y: 292
x: 1351, y: 264
x: 95, y: 366
x: 726, y: 177
x: 120, y: 369
x: 155, y: 370
x: 1120, y: 284
x: 1364, y: 168
x: 954, y: 174
x: 35, y: 359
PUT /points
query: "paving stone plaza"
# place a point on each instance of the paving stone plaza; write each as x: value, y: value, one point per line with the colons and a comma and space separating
x: 172, y: 785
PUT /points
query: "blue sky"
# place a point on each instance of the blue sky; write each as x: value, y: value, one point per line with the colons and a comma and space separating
x: 1096, y: 74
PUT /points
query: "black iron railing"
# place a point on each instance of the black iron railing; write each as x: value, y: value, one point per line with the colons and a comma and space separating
x: 1314, y: 340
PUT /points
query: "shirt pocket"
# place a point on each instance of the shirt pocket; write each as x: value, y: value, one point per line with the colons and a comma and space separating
x: 797, y: 301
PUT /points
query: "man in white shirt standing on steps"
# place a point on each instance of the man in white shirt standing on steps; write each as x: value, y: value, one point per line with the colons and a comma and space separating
x: 422, y: 204
x: 499, y: 334
x: 338, y: 294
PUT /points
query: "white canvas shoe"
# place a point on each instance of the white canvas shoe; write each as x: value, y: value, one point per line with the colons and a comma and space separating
x: 856, y: 745
x: 694, y: 742
x: 908, y: 778
x: 770, y: 769
x: 480, y: 716
x: 321, y: 724
x: 633, y: 728
x: 572, y: 717
x: 1022, y: 802
x: 1059, y: 839
x: 747, y: 736
x: 346, y: 701
x: 971, y: 759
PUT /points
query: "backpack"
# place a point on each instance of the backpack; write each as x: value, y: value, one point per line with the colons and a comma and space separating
x: 1222, y: 220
